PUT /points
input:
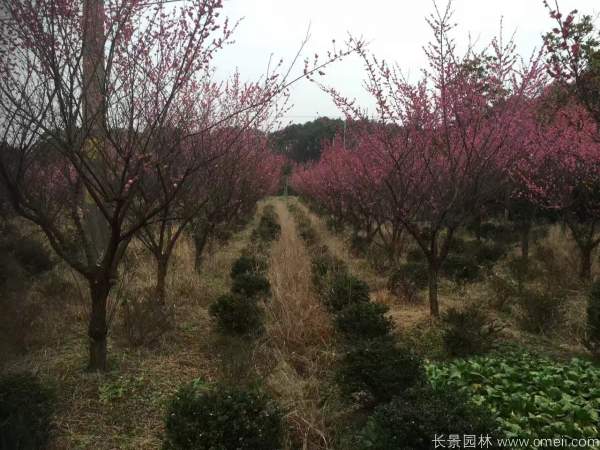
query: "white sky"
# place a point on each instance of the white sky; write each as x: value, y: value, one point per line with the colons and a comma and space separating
x: 395, y: 29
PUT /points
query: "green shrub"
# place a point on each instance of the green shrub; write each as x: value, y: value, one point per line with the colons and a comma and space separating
x: 468, y: 332
x: 248, y: 264
x: 238, y: 315
x: 223, y: 418
x: 529, y: 395
x: 487, y: 254
x: 268, y: 228
x: 32, y: 255
x: 460, y: 268
x: 324, y: 267
x: 344, y: 290
x: 415, y: 254
x: 26, y: 408
x: 363, y: 320
x: 376, y: 371
x: 542, y: 309
x: 415, y: 272
x: 592, y: 338
x: 412, y: 421
x: 334, y: 225
x: 251, y: 285
x: 359, y: 244
x: 400, y: 285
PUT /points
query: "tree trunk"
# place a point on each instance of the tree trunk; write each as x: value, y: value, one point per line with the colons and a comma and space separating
x: 162, y: 263
x: 98, y: 328
x: 585, y: 270
x: 200, y: 240
x: 434, y: 307
x: 525, y: 235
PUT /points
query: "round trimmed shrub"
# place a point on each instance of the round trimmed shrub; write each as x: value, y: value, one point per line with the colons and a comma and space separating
x: 26, y: 408
x: 268, y: 228
x: 376, y: 370
x: 222, y: 418
x: 344, y: 290
x: 248, y: 265
x: 32, y: 255
x: 237, y: 315
x: 417, y: 272
x: 412, y: 421
x: 324, y: 266
x: 251, y: 285
x: 467, y: 332
x: 461, y: 268
x: 363, y: 320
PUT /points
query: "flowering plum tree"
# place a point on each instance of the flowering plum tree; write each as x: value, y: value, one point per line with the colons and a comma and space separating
x: 87, y: 89
x: 444, y: 145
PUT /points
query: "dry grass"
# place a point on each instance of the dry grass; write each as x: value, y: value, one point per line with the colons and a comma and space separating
x: 299, y: 339
x: 413, y: 320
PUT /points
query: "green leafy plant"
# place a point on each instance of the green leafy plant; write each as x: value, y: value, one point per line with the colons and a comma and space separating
x: 530, y: 396
x: 26, y: 409
x: 207, y: 418
x: 237, y: 315
x: 461, y: 268
x: 468, y: 331
x: 363, y: 320
x: 375, y: 371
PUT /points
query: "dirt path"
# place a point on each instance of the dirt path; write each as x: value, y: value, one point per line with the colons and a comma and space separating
x: 299, y: 337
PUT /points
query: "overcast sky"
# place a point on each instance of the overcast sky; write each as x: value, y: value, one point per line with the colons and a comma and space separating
x: 395, y: 29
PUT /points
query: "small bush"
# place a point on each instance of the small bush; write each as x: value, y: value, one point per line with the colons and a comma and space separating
x: 401, y: 286
x: 363, y: 320
x: 251, y: 285
x: 542, y: 309
x: 334, y: 225
x: 592, y: 338
x: 359, y: 245
x: 308, y: 234
x: 26, y: 408
x: 376, y: 371
x: 145, y: 320
x: 248, y: 264
x: 324, y: 267
x: 460, y: 268
x: 468, y: 332
x: 344, y: 290
x: 268, y: 228
x: 415, y: 254
x: 415, y: 272
x: 487, y: 254
x: 222, y: 418
x: 237, y: 315
x: 32, y: 256
x: 412, y: 421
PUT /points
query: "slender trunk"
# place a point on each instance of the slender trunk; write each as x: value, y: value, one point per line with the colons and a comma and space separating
x: 200, y: 240
x: 525, y: 238
x: 434, y: 306
x: 98, y: 328
x: 585, y: 270
x: 162, y: 263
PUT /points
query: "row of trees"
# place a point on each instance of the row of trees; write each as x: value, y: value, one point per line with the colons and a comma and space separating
x: 113, y: 128
x: 480, y: 131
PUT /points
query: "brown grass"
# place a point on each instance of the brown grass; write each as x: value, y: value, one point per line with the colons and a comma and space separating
x: 299, y: 339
